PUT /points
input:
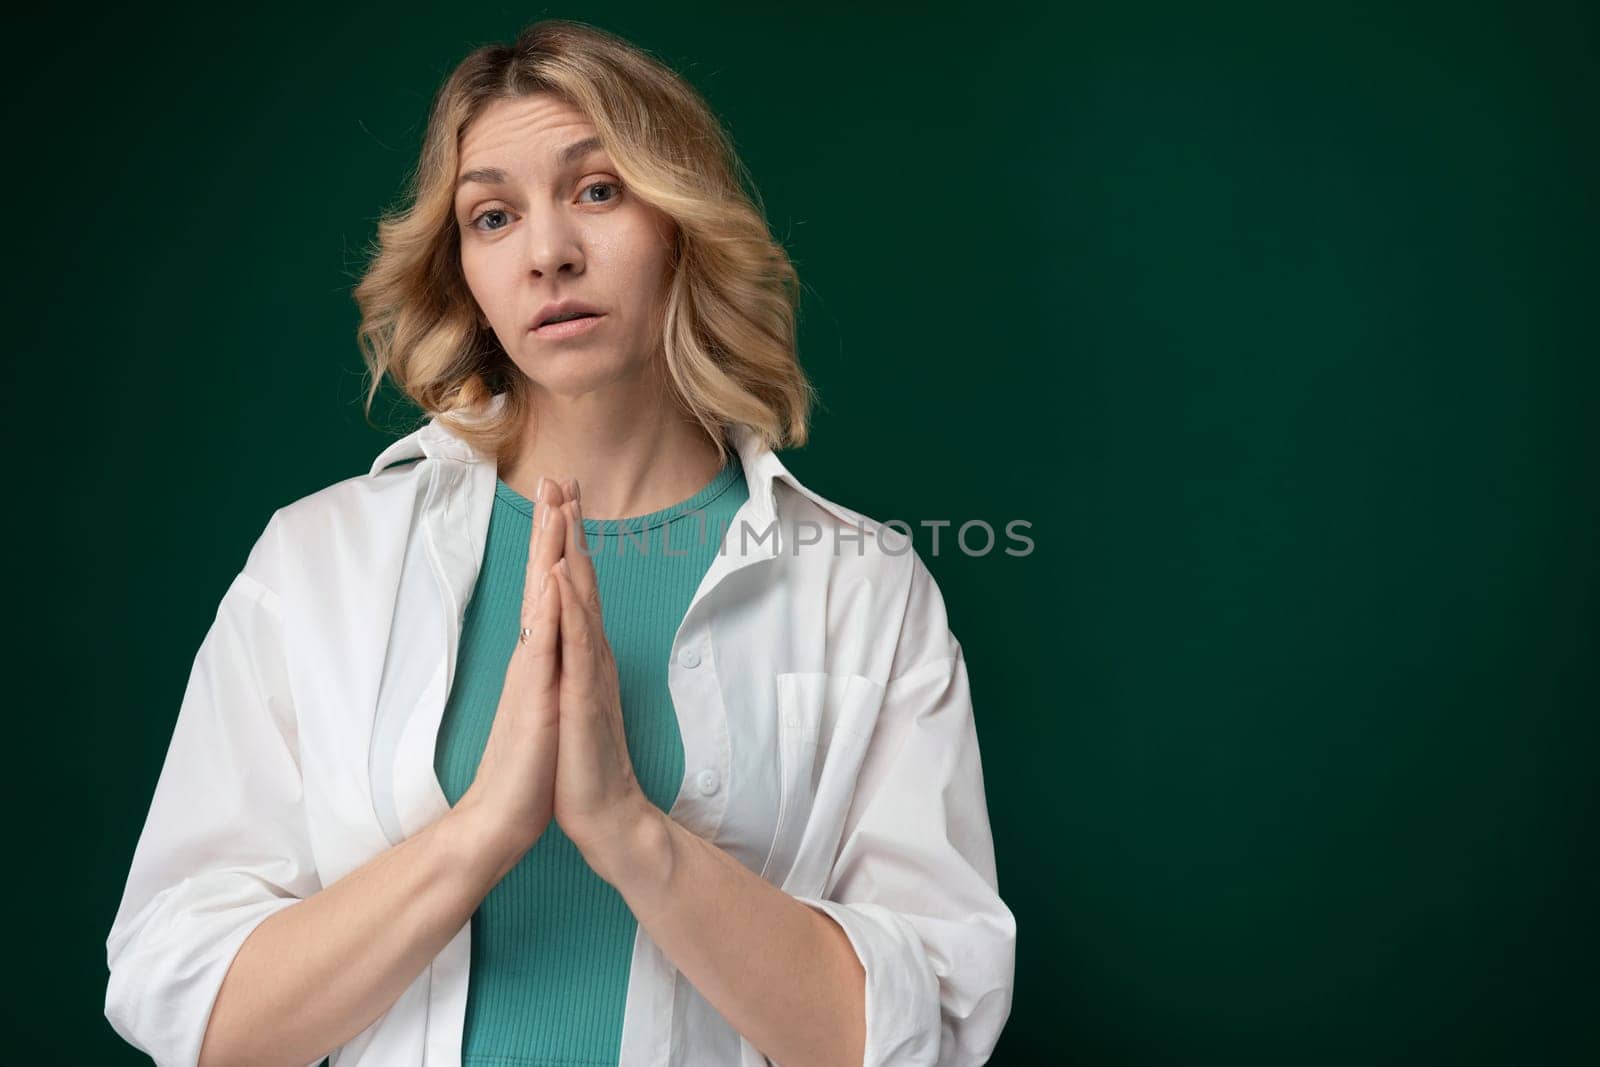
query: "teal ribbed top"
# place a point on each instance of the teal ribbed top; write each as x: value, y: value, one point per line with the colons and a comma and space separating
x: 552, y: 943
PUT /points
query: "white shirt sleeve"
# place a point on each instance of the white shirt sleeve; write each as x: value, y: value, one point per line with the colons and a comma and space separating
x: 225, y: 842
x: 914, y: 884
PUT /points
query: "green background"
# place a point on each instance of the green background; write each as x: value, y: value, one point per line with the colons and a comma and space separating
x: 1275, y: 321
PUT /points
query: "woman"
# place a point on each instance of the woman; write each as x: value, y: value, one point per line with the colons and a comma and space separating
x: 577, y: 730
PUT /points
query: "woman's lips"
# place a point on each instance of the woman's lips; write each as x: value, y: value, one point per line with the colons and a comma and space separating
x: 557, y: 331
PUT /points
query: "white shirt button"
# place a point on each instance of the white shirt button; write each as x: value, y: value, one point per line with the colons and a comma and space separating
x: 707, y: 782
x: 689, y: 658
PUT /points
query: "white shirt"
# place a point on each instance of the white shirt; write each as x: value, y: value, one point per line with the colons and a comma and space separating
x: 828, y: 739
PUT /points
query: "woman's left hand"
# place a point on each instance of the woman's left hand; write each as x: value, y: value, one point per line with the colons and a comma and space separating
x: 598, y: 801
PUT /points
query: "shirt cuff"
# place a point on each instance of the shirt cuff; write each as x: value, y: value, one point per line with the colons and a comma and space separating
x: 902, y: 989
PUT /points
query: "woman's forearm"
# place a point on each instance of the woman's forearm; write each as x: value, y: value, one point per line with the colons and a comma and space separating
x: 315, y: 974
x: 782, y: 973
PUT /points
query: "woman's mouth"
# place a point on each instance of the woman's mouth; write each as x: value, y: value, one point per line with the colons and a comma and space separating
x: 557, y: 331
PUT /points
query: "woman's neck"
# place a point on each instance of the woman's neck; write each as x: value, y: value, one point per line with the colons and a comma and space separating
x: 625, y: 465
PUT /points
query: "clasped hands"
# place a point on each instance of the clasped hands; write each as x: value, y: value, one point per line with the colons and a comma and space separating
x: 557, y: 746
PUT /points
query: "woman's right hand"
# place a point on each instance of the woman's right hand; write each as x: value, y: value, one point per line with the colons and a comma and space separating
x: 512, y: 796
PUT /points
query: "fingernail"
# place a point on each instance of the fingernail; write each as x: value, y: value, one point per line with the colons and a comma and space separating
x: 566, y: 571
x: 544, y: 516
x: 538, y: 490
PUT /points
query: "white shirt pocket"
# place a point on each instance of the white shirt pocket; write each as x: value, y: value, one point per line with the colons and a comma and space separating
x: 825, y: 721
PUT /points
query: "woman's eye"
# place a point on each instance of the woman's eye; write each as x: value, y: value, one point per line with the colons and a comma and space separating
x: 613, y: 186
x: 485, y: 214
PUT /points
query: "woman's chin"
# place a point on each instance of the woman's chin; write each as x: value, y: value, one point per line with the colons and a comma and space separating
x: 577, y: 370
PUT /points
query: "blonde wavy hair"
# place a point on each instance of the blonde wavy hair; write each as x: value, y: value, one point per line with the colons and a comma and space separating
x: 731, y: 295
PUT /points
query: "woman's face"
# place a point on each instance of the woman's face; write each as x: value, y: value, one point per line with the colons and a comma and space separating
x: 543, y: 218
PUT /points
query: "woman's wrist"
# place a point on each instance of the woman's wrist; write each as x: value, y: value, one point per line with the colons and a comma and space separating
x: 481, y: 843
x: 637, y: 859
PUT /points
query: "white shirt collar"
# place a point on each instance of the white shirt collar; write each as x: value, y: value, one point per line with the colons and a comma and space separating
x: 762, y: 467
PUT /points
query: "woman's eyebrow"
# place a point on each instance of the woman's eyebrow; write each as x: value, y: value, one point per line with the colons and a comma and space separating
x: 565, y: 157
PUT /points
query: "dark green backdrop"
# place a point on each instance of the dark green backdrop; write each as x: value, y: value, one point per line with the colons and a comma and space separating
x: 1275, y: 321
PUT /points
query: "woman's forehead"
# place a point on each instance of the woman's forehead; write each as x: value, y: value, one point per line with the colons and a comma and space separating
x: 544, y: 128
